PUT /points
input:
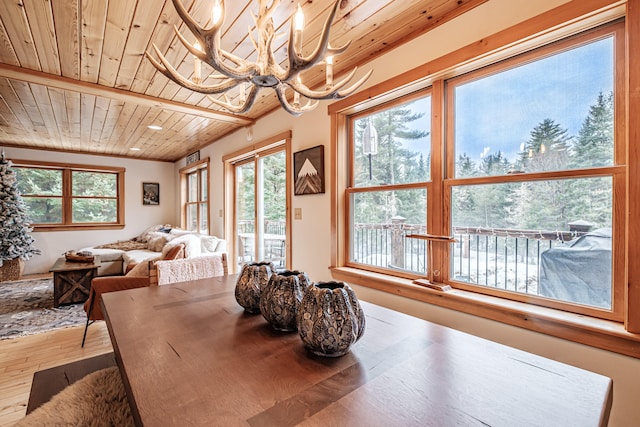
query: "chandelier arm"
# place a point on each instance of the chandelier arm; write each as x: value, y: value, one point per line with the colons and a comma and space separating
x: 351, y: 89
x: 192, y: 25
x: 242, y: 108
x: 329, y: 93
x: 167, y: 69
x: 335, y: 51
x: 210, y: 40
x: 214, y: 57
x: 292, y: 109
x: 297, y: 62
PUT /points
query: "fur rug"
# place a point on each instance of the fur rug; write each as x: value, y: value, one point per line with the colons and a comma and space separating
x: 26, y: 307
x: 99, y: 399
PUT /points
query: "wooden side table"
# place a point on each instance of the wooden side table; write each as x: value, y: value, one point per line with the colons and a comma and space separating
x: 72, y: 280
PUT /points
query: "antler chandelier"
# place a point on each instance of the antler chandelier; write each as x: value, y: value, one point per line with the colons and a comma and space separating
x: 265, y: 72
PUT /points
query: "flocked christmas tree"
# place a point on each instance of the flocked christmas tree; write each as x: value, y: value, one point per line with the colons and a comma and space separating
x: 15, y: 240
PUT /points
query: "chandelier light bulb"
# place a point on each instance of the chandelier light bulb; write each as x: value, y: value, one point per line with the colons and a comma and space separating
x: 329, y: 71
x: 216, y: 13
x: 197, y: 65
x: 298, y: 20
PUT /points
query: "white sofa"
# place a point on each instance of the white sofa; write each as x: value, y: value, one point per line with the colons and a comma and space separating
x: 119, y: 257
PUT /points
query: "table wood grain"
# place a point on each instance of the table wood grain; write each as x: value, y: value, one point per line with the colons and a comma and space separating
x: 190, y: 355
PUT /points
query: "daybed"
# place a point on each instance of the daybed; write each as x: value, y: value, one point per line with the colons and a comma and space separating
x: 119, y: 257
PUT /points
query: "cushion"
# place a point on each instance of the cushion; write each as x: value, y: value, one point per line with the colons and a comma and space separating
x: 147, y: 234
x: 135, y: 257
x: 158, y: 240
x: 173, y: 253
x: 191, y: 243
x: 141, y: 269
x: 106, y: 255
x: 208, y: 244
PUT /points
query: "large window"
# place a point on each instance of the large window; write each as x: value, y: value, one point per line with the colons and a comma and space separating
x: 532, y: 193
x: 521, y: 162
x: 195, y: 197
x: 71, y: 196
x: 390, y: 162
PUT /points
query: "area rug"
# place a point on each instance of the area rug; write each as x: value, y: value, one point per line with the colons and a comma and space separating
x: 26, y: 307
x: 99, y: 399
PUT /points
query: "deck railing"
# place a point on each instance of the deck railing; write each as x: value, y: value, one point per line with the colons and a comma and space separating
x: 493, y: 257
x: 270, y: 227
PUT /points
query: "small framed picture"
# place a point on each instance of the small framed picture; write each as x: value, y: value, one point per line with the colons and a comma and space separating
x: 308, y: 170
x: 150, y: 193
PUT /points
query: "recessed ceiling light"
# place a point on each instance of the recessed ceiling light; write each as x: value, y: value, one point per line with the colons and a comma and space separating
x: 134, y: 149
x: 155, y: 127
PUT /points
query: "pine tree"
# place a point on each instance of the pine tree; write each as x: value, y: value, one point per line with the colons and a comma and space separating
x: 16, y: 240
x: 594, y: 146
x: 547, y: 149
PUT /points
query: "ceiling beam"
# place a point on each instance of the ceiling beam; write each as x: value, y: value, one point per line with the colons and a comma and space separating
x: 59, y: 82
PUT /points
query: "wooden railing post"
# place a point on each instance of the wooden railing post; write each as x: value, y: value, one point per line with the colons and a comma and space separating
x: 397, y: 241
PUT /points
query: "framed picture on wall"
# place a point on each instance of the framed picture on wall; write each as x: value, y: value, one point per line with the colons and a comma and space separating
x: 308, y: 171
x: 150, y: 193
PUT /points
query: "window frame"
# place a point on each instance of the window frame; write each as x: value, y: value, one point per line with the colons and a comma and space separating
x: 67, y: 197
x: 276, y: 143
x: 620, y: 333
x: 185, y: 172
x: 617, y: 171
x: 352, y: 190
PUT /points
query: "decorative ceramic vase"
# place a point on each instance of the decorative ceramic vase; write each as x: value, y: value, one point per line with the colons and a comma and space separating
x: 330, y: 319
x: 281, y: 298
x: 253, y: 278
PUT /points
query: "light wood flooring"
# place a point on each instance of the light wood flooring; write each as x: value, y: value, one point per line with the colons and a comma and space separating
x: 21, y: 357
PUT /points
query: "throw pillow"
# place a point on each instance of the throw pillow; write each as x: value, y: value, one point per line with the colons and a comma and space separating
x: 158, y: 240
x: 141, y: 269
x: 209, y: 244
x: 191, y: 245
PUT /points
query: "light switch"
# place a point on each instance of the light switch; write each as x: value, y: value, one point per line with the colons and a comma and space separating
x: 297, y: 213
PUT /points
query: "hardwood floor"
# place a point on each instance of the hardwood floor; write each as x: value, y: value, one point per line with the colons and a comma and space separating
x: 21, y: 357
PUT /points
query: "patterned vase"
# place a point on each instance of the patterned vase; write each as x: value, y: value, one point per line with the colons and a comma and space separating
x: 253, y: 278
x: 281, y: 298
x: 330, y: 319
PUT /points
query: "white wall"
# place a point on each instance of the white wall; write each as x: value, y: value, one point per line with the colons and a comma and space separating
x: 54, y: 244
x: 311, y: 239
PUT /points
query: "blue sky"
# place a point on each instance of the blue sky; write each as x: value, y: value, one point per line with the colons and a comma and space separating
x: 499, y: 112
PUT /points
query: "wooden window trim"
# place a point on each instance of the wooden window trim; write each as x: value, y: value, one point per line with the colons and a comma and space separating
x: 67, y: 169
x: 561, y: 22
x: 184, y: 172
x: 273, y: 144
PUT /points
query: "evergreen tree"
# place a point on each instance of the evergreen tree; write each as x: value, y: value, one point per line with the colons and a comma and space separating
x: 275, y: 188
x: 594, y: 146
x: 16, y: 240
x: 590, y: 199
x: 392, y: 164
x: 465, y: 167
x: 43, y: 182
x: 547, y: 148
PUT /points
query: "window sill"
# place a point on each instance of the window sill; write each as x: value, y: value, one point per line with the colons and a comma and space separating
x: 599, y: 333
x: 77, y: 227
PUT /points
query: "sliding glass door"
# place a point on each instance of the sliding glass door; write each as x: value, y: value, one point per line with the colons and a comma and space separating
x: 261, y: 207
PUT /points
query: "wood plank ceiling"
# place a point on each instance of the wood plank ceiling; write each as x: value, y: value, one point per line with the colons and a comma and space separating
x: 74, y: 78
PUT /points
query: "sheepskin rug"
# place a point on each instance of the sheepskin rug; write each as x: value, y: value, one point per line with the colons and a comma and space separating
x: 96, y: 400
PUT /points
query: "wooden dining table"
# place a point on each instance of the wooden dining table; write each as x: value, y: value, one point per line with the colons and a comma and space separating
x: 190, y: 356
